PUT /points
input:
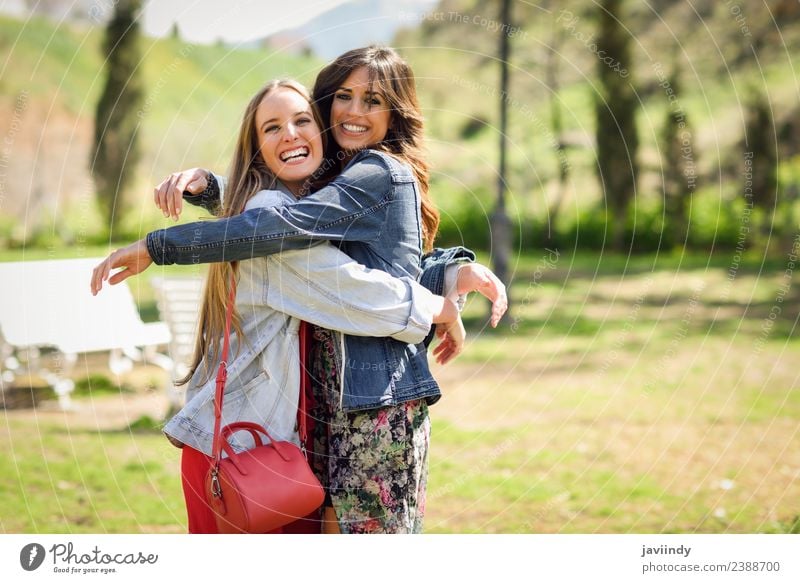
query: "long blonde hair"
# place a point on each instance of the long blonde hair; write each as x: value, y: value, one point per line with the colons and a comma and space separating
x: 406, y: 132
x: 248, y: 174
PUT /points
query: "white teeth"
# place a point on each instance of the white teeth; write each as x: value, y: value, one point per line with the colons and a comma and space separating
x: 294, y: 153
x: 353, y: 128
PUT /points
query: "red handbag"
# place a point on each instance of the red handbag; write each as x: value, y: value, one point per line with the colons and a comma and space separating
x: 268, y: 486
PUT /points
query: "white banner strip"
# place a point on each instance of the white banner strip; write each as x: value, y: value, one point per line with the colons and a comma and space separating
x: 459, y: 558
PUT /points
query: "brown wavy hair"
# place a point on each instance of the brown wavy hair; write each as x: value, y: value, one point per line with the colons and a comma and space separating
x: 394, y: 77
x: 247, y: 175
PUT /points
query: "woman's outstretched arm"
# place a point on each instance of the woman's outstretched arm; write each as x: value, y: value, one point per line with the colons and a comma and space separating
x: 353, y: 207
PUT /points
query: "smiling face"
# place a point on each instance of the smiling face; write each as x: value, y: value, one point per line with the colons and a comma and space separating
x: 288, y: 137
x: 360, y: 114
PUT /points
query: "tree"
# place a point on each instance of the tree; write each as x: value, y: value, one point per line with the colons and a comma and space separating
x: 556, y: 127
x: 116, y: 121
x: 615, y: 110
x: 500, y: 223
x: 679, y: 166
x: 760, y: 145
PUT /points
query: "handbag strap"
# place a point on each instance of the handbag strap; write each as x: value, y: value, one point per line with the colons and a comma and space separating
x: 302, y: 422
x: 222, y: 376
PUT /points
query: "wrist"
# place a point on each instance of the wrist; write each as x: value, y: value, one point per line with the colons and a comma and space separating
x: 465, y: 283
x: 143, y: 252
x: 209, y: 192
x: 446, y: 312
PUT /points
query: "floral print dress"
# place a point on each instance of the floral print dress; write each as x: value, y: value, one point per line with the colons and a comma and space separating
x: 373, y: 463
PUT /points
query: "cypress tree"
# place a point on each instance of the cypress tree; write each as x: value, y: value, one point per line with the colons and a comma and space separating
x: 116, y: 121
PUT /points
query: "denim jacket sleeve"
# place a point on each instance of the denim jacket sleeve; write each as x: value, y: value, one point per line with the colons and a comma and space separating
x: 353, y: 207
x: 211, y: 198
x: 435, y: 263
x: 324, y: 286
x: 434, y: 266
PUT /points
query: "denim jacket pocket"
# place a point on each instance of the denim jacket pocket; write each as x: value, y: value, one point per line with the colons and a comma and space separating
x: 235, y: 402
x: 262, y: 376
x: 248, y: 405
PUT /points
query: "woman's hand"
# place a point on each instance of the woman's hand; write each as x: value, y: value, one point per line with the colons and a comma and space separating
x: 168, y: 195
x: 449, y: 330
x: 476, y: 277
x: 133, y: 259
x: 451, y: 341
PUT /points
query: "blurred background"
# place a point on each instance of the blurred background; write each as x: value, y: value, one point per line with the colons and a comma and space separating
x: 630, y: 169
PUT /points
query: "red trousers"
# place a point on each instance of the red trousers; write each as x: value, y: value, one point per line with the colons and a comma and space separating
x: 194, y: 468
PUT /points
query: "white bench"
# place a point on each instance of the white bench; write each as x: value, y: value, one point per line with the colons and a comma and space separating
x: 178, y: 300
x: 48, y: 304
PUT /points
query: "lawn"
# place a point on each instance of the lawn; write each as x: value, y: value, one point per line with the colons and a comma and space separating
x: 646, y: 394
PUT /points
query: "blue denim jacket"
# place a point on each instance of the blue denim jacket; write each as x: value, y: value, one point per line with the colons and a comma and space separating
x: 372, y: 209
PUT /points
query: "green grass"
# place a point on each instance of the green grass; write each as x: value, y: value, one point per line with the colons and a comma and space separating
x: 82, y: 481
x: 605, y: 413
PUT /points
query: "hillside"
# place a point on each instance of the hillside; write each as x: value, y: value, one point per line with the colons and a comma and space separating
x: 50, y: 80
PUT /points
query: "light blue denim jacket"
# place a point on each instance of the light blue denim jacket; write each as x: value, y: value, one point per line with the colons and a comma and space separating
x: 319, y: 284
x: 372, y: 210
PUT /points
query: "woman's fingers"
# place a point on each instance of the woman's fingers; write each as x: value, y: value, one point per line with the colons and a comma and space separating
x: 120, y: 276
x: 444, y: 342
x: 100, y: 274
x: 499, y: 305
x: 160, y: 195
x: 109, y: 262
x: 96, y: 283
x: 448, y: 356
x: 453, y: 337
x: 156, y: 198
x: 168, y: 196
x: 448, y: 351
x: 443, y: 351
x: 459, y: 338
x: 133, y: 259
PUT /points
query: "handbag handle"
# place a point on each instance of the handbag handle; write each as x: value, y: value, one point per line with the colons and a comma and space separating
x: 253, y: 429
x: 220, y: 441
